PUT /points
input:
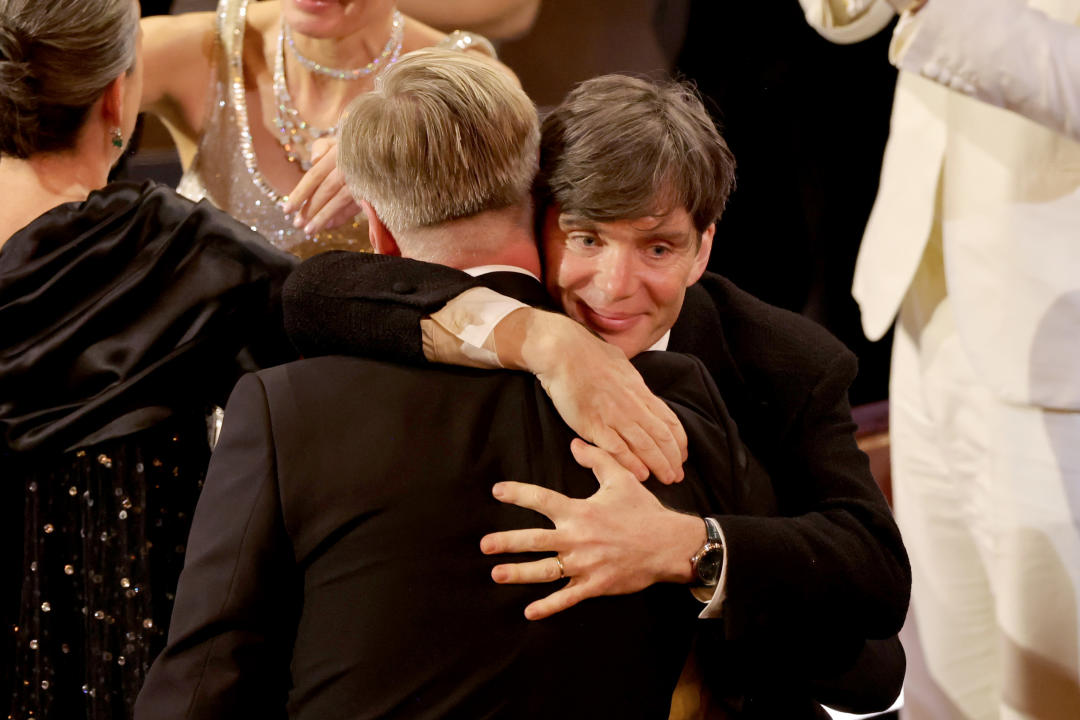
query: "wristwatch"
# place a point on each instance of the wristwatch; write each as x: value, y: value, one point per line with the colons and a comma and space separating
x: 709, y: 560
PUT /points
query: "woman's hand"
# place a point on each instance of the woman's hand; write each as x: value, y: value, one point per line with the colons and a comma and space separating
x: 321, y: 200
x: 619, y: 540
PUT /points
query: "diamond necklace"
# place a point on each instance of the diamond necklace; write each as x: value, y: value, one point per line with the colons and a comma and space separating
x: 389, y: 54
x: 294, y: 133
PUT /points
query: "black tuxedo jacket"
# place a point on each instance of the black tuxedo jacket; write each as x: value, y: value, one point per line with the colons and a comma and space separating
x: 334, y: 570
x: 815, y: 594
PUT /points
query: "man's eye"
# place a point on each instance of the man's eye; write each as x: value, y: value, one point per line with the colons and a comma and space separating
x: 659, y: 251
x: 586, y: 241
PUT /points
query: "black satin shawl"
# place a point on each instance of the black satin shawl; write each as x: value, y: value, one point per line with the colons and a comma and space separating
x: 117, y: 311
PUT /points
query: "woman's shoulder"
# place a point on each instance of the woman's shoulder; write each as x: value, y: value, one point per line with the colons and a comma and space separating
x: 261, y: 16
x: 418, y: 35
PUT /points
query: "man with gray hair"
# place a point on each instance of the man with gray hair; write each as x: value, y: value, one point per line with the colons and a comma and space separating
x: 633, y: 177
x: 333, y: 568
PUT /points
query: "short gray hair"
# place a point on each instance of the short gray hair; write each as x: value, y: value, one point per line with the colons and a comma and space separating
x: 56, y: 59
x: 444, y: 135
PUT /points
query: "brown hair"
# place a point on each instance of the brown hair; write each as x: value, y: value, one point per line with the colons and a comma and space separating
x: 621, y: 147
x: 56, y: 59
x: 444, y: 135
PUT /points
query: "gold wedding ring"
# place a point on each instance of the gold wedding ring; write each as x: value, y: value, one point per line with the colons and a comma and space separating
x: 562, y: 569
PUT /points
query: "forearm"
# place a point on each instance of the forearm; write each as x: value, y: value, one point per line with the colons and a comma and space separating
x: 343, y: 303
x: 834, y: 559
x: 481, y: 328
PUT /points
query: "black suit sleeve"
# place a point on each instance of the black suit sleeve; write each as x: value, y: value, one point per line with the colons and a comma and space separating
x: 835, y: 559
x: 344, y: 303
x: 237, y: 602
x: 817, y: 594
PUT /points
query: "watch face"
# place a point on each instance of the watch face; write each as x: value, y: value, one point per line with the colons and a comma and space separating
x: 709, y: 564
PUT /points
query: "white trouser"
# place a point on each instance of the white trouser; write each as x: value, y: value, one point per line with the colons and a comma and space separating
x: 986, y: 495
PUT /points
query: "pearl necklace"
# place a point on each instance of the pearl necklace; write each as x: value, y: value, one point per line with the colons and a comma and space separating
x: 294, y: 133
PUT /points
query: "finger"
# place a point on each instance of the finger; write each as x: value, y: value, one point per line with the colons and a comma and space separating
x: 338, y: 210
x: 513, y: 541
x: 605, y: 467
x: 677, y: 433
x: 331, y: 185
x: 312, y: 180
x: 537, y: 571
x: 666, y: 415
x: 559, y: 600
x: 320, y: 147
x: 613, y: 443
x: 543, y: 500
x: 643, y: 444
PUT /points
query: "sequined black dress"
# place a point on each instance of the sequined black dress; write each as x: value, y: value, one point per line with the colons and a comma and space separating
x: 123, y: 320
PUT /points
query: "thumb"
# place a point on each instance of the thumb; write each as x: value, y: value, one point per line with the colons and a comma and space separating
x: 320, y: 147
x: 604, y: 466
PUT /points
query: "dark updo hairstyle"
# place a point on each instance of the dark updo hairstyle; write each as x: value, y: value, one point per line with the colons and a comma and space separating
x: 56, y: 59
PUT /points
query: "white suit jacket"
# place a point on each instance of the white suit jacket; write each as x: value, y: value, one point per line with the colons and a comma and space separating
x: 1003, y: 190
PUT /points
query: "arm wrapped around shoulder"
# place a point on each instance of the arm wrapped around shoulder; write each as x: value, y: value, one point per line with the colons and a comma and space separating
x: 343, y: 303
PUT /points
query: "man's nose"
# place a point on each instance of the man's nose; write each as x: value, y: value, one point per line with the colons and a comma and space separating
x: 618, y: 276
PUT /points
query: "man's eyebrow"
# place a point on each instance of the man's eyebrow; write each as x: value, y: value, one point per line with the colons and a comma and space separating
x: 672, y: 236
x: 575, y: 222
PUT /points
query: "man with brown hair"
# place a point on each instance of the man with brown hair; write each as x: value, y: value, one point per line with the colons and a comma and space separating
x: 633, y: 176
x: 332, y: 569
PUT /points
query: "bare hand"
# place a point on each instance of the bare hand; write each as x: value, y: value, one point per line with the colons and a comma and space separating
x: 321, y: 199
x: 619, y: 540
x: 597, y: 392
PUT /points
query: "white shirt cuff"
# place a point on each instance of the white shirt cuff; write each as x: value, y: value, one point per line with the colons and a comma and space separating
x: 471, y: 317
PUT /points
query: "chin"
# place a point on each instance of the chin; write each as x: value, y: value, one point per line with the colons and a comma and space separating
x: 310, y: 16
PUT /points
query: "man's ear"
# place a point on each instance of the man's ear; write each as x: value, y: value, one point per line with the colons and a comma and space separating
x: 382, y: 240
x: 701, y: 261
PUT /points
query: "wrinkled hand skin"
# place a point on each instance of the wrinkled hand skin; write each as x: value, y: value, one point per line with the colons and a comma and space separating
x: 598, y: 393
x: 617, y: 541
x: 321, y: 200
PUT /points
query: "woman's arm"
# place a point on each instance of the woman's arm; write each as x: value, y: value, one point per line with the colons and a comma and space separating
x: 177, y: 63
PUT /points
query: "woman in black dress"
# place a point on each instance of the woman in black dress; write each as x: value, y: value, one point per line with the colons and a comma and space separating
x: 126, y: 315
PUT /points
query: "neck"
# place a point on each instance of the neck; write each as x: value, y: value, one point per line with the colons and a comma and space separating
x: 321, y: 97
x: 33, y: 186
x: 495, y: 237
x: 344, y: 52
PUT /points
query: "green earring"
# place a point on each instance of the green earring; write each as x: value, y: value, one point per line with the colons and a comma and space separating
x: 117, y: 138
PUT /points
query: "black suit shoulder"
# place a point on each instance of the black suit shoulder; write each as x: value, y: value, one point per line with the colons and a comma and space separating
x: 762, y: 339
x: 369, y: 305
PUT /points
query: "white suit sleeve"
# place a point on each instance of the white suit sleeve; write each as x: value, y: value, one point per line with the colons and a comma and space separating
x: 847, y: 21
x: 998, y: 51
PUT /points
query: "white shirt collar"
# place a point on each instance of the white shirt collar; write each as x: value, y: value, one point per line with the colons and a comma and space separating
x: 484, y: 269
x: 662, y: 343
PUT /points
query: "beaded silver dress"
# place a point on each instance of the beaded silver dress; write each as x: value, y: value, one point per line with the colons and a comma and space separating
x: 225, y: 169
